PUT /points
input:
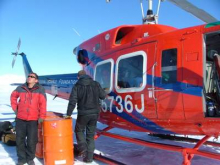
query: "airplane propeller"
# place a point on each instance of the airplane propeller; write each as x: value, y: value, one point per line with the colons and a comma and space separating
x: 16, y: 53
x: 199, y: 13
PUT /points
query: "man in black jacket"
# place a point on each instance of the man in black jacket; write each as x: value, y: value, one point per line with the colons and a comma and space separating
x: 86, y: 94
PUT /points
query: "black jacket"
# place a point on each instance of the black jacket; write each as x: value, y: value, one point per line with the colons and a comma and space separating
x: 87, y: 94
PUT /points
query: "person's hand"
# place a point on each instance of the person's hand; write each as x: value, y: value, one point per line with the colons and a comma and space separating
x: 40, y: 121
x: 12, y: 130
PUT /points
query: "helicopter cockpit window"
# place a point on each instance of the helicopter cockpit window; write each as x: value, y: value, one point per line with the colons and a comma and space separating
x: 169, y: 66
x: 103, y: 75
x: 130, y: 72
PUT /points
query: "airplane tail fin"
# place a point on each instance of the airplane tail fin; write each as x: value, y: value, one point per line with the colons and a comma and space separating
x: 27, y: 67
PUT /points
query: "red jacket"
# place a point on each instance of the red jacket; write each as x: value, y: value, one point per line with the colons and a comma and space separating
x: 31, y: 104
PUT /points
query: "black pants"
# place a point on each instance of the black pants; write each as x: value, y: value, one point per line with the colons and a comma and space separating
x: 26, y: 139
x: 85, y: 140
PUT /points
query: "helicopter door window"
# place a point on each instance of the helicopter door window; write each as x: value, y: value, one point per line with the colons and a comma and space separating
x: 103, y: 74
x: 130, y: 72
x: 169, y: 66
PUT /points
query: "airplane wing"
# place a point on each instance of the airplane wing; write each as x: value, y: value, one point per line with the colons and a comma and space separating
x: 16, y: 84
x: 197, y: 12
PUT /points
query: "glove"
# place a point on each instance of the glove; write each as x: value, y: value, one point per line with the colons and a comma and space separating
x: 16, y: 112
x: 67, y: 117
x: 40, y: 121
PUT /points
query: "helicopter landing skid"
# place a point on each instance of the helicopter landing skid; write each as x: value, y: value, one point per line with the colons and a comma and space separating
x: 188, y: 153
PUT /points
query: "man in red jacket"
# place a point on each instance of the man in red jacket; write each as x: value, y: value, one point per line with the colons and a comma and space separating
x: 29, y: 109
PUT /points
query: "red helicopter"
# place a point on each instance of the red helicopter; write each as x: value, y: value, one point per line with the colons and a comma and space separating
x: 159, y: 79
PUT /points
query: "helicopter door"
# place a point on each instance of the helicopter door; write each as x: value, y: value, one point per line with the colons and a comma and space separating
x: 132, y: 81
x: 167, y: 85
x: 193, y: 74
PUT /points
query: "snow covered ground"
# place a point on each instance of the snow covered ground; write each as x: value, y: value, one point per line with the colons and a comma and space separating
x: 121, y: 151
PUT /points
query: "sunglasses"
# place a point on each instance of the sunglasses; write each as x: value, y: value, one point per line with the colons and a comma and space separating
x: 31, y: 77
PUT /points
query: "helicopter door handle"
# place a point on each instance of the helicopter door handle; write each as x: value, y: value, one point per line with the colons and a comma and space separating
x: 151, y: 93
x: 153, y: 88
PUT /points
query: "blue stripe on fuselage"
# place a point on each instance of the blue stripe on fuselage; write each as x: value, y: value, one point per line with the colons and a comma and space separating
x: 180, y: 87
x: 176, y: 87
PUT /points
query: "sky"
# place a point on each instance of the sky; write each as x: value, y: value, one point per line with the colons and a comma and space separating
x: 121, y: 151
x: 51, y: 29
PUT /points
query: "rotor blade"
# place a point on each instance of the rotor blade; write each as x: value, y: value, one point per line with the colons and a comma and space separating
x: 199, y: 13
x: 13, y: 62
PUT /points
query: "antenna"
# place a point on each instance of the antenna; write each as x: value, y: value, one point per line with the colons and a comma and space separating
x: 150, y: 18
x: 77, y: 33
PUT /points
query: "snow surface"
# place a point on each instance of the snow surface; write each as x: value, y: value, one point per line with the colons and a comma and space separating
x: 121, y: 151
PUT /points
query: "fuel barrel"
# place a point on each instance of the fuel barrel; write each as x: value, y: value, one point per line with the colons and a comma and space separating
x: 58, y: 141
x: 39, y: 146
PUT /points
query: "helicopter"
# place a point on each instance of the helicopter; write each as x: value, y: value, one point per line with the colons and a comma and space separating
x: 159, y: 79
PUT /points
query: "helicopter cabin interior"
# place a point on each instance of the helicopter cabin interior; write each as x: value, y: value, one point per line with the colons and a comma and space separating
x: 212, y: 74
